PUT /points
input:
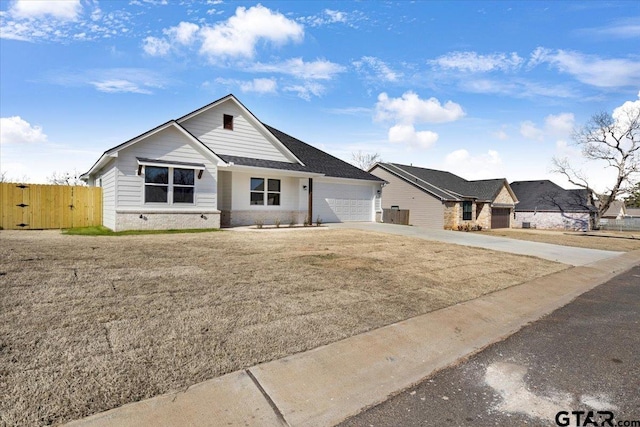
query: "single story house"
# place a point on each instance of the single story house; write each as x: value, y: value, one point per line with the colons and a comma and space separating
x: 617, y: 210
x: 544, y: 204
x: 632, y: 213
x: 221, y: 166
x: 438, y: 199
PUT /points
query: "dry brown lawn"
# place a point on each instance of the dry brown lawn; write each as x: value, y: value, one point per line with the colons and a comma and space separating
x: 605, y: 240
x: 91, y: 323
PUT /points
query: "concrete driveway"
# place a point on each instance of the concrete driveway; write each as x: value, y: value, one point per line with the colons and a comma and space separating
x: 564, y: 254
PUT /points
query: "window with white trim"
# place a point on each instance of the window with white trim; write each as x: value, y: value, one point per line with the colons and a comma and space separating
x: 162, y: 184
x: 261, y: 193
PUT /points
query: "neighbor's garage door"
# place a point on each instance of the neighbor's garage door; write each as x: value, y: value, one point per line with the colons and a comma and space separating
x: 500, y: 217
x: 342, y: 202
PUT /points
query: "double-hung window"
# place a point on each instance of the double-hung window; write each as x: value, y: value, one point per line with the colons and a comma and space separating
x: 261, y: 192
x: 156, y: 184
x: 467, y: 211
x: 183, y: 185
x: 162, y: 184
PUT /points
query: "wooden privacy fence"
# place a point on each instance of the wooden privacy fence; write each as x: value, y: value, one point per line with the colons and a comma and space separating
x: 34, y: 206
x: 395, y: 216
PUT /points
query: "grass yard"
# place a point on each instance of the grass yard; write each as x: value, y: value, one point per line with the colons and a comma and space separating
x: 91, y: 323
x: 605, y: 240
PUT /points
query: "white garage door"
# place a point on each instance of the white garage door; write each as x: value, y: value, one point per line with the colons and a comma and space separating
x: 342, y: 202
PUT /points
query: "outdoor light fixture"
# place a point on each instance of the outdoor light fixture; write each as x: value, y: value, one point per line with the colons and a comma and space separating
x: 304, y: 187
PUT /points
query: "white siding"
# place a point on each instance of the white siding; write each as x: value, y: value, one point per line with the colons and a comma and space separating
x: 170, y: 145
x: 424, y: 209
x: 108, y: 177
x: 343, y: 200
x: 243, y: 141
x: 241, y: 184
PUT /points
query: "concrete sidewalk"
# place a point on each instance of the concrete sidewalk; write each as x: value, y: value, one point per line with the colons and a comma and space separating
x: 324, y: 386
x: 564, y: 254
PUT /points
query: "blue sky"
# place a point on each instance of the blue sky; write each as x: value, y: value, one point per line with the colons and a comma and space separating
x: 482, y: 89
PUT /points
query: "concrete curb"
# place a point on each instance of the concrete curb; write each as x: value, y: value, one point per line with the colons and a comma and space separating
x: 326, y: 385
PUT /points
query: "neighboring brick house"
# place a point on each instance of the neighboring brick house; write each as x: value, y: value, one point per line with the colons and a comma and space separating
x: 439, y: 199
x: 546, y: 205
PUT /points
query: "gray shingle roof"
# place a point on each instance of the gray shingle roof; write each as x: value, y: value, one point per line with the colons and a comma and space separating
x: 544, y: 195
x: 446, y: 185
x: 317, y: 160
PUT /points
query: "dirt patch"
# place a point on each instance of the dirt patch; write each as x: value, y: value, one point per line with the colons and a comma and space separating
x: 91, y: 323
x: 608, y: 240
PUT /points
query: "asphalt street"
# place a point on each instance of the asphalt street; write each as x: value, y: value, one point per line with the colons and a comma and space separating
x: 584, y: 356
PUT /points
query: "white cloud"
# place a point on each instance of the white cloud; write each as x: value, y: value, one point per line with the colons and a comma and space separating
x: 336, y: 15
x: 306, y: 90
x: 518, y: 88
x: 376, y: 69
x: 112, y: 80
x: 560, y: 125
x: 119, y: 86
x: 16, y: 130
x: 320, y: 69
x: 327, y: 17
x: 238, y: 36
x: 184, y: 33
x: 482, y: 166
x: 473, y: 62
x: 155, y: 47
x: 259, y: 86
x: 501, y: 134
x: 61, y: 21
x: 590, y: 69
x: 65, y: 10
x: 410, y: 109
x: 628, y: 110
x: 627, y: 28
x: 529, y: 130
x: 407, y: 134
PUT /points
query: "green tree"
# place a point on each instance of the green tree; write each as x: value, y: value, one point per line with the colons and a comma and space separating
x: 633, y: 201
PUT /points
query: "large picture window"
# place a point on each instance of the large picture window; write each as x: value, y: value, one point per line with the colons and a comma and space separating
x: 467, y: 211
x: 261, y: 192
x: 164, y: 183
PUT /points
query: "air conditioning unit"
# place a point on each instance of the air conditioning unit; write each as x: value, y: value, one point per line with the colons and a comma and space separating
x: 526, y: 225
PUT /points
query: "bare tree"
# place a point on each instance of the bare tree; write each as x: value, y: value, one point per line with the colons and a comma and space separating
x: 364, y: 160
x: 66, y: 178
x: 614, y: 139
x: 4, y: 177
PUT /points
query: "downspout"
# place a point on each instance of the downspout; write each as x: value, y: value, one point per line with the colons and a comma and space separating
x: 310, y: 202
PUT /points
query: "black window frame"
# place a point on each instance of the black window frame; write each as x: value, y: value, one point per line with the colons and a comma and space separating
x: 265, y: 191
x: 467, y: 214
x: 174, y: 194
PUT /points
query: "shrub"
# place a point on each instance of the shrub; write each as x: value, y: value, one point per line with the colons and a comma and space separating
x: 277, y: 222
x: 259, y: 222
x: 318, y: 221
